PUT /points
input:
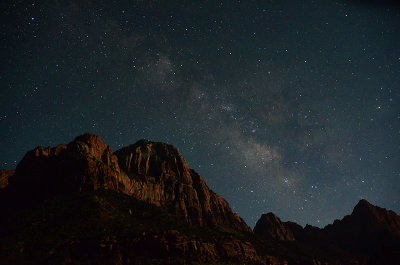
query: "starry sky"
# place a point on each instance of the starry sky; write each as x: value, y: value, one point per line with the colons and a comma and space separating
x: 283, y: 106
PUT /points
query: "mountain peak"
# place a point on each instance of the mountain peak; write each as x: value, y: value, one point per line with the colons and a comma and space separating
x: 362, y: 208
x: 269, y: 226
x: 366, y: 228
x: 363, y: 204
x: 159, y: 174
x: 365, y: 209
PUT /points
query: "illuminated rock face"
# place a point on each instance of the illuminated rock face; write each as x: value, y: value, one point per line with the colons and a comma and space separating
x: 157, y: 173
x: 4, y: 176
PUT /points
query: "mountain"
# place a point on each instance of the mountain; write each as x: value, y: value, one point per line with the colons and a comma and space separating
x: 270, y: 226
x: 366, y: 229
x: 369, y: 235
x: 158, y: 174
x: 82, y: 203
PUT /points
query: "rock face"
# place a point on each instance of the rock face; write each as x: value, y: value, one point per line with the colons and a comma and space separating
x: 157, y: 173
x: 269, y: 226
x: 4, y: 176
x: 208, y: 252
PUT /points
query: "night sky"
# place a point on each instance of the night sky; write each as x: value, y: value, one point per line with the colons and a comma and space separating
x: 284, y: 106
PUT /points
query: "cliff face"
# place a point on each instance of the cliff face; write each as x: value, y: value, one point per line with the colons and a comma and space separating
x: 157, y: 173
x: 269, y: 226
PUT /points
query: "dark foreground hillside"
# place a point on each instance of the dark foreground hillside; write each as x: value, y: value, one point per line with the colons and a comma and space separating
x: 104, y: 227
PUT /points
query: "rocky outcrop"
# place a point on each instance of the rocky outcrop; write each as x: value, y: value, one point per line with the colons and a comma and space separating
x: 180, y: 245
x: 269, y: 226
x: 4, y: 176
x: 157, y: 173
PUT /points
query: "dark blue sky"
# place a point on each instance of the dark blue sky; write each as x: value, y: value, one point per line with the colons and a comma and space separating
x: 283, y: 106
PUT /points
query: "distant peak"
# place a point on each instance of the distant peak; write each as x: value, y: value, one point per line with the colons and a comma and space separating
x: 362, y: 204
x: 270, y: 226
x: 269, y: 216
x: 364, y: 209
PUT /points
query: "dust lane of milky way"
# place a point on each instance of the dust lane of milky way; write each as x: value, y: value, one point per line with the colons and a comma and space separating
x: 288, y: 107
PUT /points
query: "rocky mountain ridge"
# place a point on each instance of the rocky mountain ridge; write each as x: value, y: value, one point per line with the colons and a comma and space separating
x: 369, y: 235
x: 145, y: 205
x: 157, y: 173
x: 151, y: 172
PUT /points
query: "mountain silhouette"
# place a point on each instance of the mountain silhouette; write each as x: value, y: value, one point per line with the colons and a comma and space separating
x: 82, y: 203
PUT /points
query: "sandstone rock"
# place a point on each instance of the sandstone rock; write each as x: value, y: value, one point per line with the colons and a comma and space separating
x: 235, y: 249
x: 269, y: 226
x: 157, y: 173
x: 4, y: 176
x: 271, y: 260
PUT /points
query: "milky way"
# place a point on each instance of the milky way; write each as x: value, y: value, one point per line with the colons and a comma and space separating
x: 283, y: 106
